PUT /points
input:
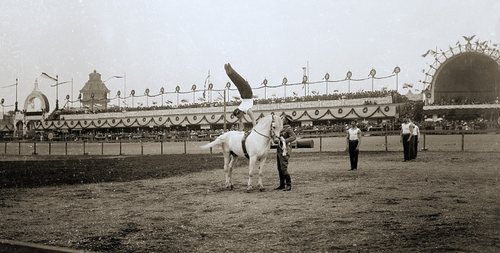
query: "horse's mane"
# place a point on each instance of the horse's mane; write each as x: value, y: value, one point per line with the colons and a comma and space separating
x: 266, y: 119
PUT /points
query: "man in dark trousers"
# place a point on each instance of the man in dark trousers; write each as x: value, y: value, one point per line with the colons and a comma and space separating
x: 406, y: 137
x: 415, y: 135
x: 287, y: 135
x: 352, y: 144
x: 246, y: 95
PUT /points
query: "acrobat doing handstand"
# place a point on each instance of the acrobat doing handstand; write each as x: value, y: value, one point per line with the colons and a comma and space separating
x: 246, y: 96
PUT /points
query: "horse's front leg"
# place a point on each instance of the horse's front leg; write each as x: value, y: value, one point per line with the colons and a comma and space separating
x: 261, y: 163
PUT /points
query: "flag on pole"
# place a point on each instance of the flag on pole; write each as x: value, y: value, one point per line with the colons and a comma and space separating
x: 54, y: 85
x: 426, y: 53
x: 47, y: 76
x: 9, y: 85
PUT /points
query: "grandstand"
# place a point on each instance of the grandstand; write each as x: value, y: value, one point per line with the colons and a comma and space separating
x: 167, y: 121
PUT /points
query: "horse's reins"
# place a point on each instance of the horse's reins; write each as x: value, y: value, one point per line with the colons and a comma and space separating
x: 271, y: 132
x: 271, y: 135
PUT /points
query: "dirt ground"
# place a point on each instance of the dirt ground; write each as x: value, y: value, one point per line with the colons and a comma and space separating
x: 442, y: 202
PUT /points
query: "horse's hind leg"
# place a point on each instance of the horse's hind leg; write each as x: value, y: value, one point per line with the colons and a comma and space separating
x: 228, y: 169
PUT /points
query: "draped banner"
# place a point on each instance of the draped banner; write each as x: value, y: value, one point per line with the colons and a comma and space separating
x: 298, y: 114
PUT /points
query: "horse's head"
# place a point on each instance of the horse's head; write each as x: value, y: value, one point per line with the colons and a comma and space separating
x: 276, y: 126
x: 270, y: 126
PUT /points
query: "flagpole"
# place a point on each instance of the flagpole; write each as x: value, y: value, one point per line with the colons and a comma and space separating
x: 15, y: 110
x: 57, y: 92
x: 71, y: 92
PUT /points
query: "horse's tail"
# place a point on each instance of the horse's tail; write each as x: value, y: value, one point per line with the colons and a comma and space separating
x: 215, y: 143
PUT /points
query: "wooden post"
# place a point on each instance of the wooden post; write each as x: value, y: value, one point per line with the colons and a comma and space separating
x: 34, y: 148
x: 210, y: 140
x: 463, y: 138
x: 84, y: 153
x: 320, y: 143
x: 424, y: 148
x: 386, y: 149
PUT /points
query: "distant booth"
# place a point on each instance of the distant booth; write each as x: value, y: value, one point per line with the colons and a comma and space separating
x: 462, y: 84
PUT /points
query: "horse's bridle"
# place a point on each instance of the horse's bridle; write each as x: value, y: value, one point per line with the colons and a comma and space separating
x: 272, y: 135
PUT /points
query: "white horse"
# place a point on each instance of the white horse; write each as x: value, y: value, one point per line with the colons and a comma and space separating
x: 257, y: 145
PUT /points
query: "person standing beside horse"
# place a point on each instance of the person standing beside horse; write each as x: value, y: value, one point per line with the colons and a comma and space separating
x: 246, y: 95
x: 287, y: 135
x: 352, y: 144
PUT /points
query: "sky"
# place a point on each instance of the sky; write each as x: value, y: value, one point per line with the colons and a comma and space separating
x: 161, y: 43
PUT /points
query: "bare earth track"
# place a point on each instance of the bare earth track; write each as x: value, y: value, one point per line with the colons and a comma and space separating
x: 443, y: 202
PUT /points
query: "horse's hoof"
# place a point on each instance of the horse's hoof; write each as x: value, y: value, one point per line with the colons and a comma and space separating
x: 262, y: 189
x: 231, y: 187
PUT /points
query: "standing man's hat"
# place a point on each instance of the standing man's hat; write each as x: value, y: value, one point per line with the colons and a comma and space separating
x: 288, y: 117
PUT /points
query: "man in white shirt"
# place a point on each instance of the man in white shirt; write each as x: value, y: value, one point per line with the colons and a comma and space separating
x: 415, y: 136
x: 352, y: 144
x: 406, y: 137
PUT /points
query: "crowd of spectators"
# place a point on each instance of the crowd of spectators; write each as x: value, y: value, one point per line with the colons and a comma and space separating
x: 472, y: 124
x: 465, y: 101
x: 396, y: 98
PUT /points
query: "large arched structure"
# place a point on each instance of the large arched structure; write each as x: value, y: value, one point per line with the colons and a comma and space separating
x: 36, y: 101
x: 465, y: 78
x: 36, y: 107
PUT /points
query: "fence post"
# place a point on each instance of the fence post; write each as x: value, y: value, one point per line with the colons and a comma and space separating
x: 185, y: 148
x: 161, y: 147
x: 120, y: 147
x: 66, y: 148
x: 386, y: 149
x: 34, y: 148
x: 19, y: 148
x: 210, y: 140
x: 50, y: 147
x: 463, y: 138
x: 84, y: 153
x: 102, y: 148
x: 142, y: 148
x: 424, y: 148
x: 320, y: 144
x: 5, y: 148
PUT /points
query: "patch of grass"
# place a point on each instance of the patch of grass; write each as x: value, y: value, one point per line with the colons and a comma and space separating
x: 87, y: 170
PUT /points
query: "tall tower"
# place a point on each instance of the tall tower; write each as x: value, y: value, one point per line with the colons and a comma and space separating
x: 94, y: 95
